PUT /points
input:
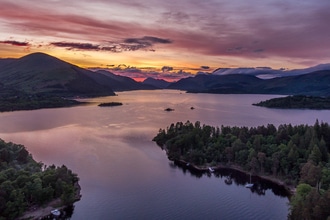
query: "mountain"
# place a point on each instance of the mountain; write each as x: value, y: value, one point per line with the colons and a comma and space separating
x: 233, y: 83
x: 119, y: 83
x: 6, y: 61
x: 268, y: 73
x: 45, y: 74
x: 158, y: 83
x: 316, y: 83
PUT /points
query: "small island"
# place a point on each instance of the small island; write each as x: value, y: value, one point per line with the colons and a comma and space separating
x: 168, y: 109
x: 297, y: 102
x: 294, y: 156
x: 28, y: 188
x: 110, y: 104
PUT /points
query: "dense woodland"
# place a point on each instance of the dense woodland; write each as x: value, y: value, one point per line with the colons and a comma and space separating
x: 24, y: 183
x: 13, y: 100
x: 297, y: 155
x: 297, y: 102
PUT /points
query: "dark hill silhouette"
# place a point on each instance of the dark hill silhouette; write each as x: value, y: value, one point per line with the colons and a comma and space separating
x: 119, y: 83
x: 316, y: 83
x: 158, y: 83
x: 42, y: 73
x: 39, y: 73
x: 6, y: 61
x: 233, y: 83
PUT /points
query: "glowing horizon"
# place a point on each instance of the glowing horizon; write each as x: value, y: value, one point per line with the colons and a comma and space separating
x: 172, y: 38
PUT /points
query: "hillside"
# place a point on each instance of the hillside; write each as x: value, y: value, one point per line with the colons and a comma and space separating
x: 234, y: 83
x: 40, y: 73
x: 119, y: 83
x: 158, y: 83
x: 315, y: 83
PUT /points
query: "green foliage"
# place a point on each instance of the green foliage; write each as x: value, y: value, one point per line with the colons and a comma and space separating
x: 31, y: 102
x: 297, y: 102
x: 23, y: 182
x: 309, y: 203
x: 297, y: 154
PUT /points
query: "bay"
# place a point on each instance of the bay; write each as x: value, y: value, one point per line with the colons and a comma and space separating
x: 124, y: 175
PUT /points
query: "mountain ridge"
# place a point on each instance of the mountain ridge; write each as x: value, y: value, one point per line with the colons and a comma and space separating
x: 42, y: 73
x: 315, y: 83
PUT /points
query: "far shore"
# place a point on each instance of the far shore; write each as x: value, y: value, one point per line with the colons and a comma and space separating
x: 289, y: 188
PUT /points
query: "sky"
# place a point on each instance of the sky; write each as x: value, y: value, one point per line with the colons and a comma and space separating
x: 169, y: 39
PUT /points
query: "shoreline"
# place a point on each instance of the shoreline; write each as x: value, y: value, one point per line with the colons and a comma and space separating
x: 291, y: 190
x: 40, y: 212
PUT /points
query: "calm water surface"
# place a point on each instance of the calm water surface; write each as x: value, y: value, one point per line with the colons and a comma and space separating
x: 124, y: 175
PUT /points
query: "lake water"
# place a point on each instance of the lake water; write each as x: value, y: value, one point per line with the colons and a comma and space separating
x: 124, y: 175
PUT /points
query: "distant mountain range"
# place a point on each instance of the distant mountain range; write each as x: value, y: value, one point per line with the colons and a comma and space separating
x: 158, y: 83
x: 268, y: 73
x: 120, y: 83
x: 315, y: 83
x: 39, y: 73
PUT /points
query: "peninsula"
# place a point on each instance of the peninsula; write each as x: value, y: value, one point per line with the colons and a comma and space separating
x: 21, y: 101
x: 297, y: 102
x: 28, y: 188
x: 296, y: 155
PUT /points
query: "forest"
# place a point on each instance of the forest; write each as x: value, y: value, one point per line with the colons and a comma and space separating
x: 25, y: 183
x: 33, y: 102
x: 13, y: 100
x: 297, y: 155
x: 297, y: 102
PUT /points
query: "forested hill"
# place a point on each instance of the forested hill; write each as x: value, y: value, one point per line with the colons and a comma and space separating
x: 297, y: 102
x: 298, y: 155
x: 25, y: 183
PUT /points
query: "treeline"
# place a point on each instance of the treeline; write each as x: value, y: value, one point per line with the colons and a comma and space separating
x: 296, y: 154
x: 32, y: 102
x: 297, y: 102
x: 24, y: 183
x: 13, y: 100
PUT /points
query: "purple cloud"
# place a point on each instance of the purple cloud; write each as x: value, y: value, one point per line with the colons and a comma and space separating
x: 76, y: 46
x: 128, y: 44
x: 15, y: 43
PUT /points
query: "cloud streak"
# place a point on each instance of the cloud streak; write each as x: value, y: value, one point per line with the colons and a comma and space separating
x: 15, y: 43
x: 76, y: 46
x: 128, y: 44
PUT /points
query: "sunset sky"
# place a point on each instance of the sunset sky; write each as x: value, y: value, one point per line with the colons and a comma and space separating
x: 174, y: 38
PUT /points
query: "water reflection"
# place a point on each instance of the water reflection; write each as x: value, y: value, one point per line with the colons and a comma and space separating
x: 66, y: 214
x: 232, y: 176
x: 124, y: 175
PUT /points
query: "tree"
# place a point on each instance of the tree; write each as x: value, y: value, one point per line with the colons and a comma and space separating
x: 261, y: 159
x: 310, y: 174
x: 315, y: 155
x: 297, y: 201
